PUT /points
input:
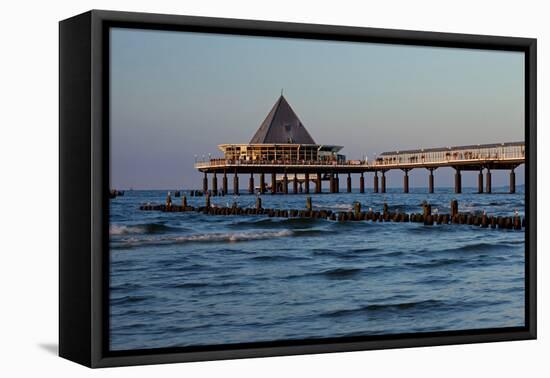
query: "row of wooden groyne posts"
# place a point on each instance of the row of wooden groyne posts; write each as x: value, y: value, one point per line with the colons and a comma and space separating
x: 427, y: 217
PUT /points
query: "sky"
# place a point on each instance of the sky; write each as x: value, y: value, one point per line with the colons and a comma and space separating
x: 177, y: 95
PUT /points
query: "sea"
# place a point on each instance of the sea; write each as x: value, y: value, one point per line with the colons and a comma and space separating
x: 190, y: 279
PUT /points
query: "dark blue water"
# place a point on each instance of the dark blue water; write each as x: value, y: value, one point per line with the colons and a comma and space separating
x: 185, y: 279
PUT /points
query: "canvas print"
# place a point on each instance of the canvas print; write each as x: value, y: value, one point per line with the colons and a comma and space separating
x: 279, y: 189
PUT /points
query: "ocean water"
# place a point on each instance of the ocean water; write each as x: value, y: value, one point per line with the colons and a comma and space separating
x: 189, y: 279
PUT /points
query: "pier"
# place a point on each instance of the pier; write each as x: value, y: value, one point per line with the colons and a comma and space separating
x: 283, y: 150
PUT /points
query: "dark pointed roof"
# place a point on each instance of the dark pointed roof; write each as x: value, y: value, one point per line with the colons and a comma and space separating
x: 282, y: 126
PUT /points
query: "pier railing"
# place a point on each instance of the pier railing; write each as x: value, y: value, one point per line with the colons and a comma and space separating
x: 447, y: 156
x: 213, y: 163
x: 429, y: 157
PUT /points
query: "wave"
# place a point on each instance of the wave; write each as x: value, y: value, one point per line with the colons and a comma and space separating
x: 341, y: 272
x: 146, y: 228
x: 201, y: 238
x: 275, y: 258
x: 478, y: 247
x: 196, y: 284
x: 130, y: 299
x: 422, y: 230
x: 427, y: 304
x: 338, y: 206
x: 275, y: 222
x: 435, y: 263
x: 336, y: 273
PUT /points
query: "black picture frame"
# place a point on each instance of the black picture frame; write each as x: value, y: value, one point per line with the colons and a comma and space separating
x: 84, y: 186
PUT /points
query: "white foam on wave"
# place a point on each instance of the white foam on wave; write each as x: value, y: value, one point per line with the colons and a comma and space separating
x: 234, y: 237
x: 339, y: 206
x: 119, y: 229
x: 230, y: 237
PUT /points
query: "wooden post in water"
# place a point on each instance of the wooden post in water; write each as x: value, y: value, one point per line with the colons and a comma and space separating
x: 349, y: 183
x: 431, y: 180
x: 480, y: 181
x: 362, y: 183
x: 337, y: 183
x: 406, y: 181
x: 458, y: 181
x: 184, y: 201
x: 251, y: 184
x: 224, y: 183
x: 168, y: 200
x: 357, y: 210
x: 207, y: 200
x: 306, y: 183
x: 295, y: 184
x: 383, y: 186
x: 454, y: 208
x: 258, y: 203
x: 488, y: 183
x: 375, y: 183
x: 427, y: 210
x: 517, y: 221
x: 512, y: 181
x: 385, y: 208
x: 273, y: 183
x: 309, y: 205
x: 236, y: 184
x: 215, y: 184
x: 285, y: 184
x: 205, y: 183
x: 262, y: 183
x: 332, y: 183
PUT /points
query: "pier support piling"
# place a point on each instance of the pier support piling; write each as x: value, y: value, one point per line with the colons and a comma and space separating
x: 251, y: 184
x: 236, y: 184
x: 431, y: 181
x: 332, y: 183
x: 512, y: 181
x: 273, y: 183
x: 349, y: 183
x: 205, y: 183
x: 383, y: 186
x: 375, y: 184
x: 406, y: 181
x: 362, y: 183
x: 337, y: 183
x: 318, y: 187
x: 295, y: 184
x: 285, y: 184
x: 480, y: 181
x: 224, y: 184
x: 214, y: 185
x: 262, y: 183
x: 488, y: 182
x: 306, y: 183
x: 458, y: 181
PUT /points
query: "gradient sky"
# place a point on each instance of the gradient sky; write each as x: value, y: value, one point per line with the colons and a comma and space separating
x: 175, y: 95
